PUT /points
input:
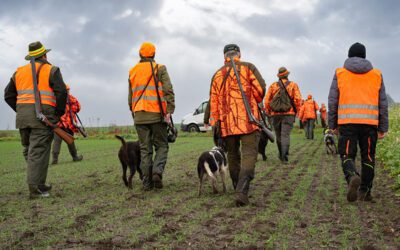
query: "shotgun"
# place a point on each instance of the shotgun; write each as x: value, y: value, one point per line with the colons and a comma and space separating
x: 69, y: 139
x: 252, y: 119
x: 81, y: 129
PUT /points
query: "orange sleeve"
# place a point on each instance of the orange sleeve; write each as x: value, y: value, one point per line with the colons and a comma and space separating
x: 316, y: 106
x: 268, y: 99
x: 296, y: 97
x: 214, y: 100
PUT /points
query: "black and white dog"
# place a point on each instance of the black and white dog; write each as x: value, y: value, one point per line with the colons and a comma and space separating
x: 330, y: 144
x: 212, y: 163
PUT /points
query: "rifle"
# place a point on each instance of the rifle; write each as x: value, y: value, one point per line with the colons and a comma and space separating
x: 69, y: 139
x: 81, y: 129
x: 252, y: 119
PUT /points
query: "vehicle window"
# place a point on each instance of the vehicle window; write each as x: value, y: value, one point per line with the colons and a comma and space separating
x: 200, y: 109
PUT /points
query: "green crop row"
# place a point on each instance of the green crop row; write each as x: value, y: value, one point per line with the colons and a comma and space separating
x: 389, y: 149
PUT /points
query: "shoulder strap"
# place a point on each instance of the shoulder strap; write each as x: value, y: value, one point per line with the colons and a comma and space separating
x: 280, y: 83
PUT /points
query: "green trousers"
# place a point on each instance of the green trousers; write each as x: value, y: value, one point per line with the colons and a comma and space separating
x: 153, y: 138
x: 37, y: 145
x: 57, y: 147
x: 242, y: 159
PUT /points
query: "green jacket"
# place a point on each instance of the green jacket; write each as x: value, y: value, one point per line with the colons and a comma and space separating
x: 142, y: 117
x: 26, y: 115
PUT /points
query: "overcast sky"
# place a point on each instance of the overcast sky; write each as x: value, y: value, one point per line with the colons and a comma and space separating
x: 95, y: 43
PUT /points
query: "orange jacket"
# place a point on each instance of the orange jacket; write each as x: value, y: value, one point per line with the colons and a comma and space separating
x: 145, y: 98
x: 308, y: 110
x: 359, y: 97
x: 226, y: 102
x: 322, y: 110
x: 68, y: 120
x: 24, y: 85
x: 294, y: 93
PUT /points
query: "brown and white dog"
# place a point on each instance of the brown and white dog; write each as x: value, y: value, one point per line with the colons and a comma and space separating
x: 129, y: 155
x: 212, y: 163
x: 330, y: 144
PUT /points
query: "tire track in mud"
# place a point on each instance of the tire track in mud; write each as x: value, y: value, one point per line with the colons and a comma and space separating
x: 230, y: 217
x: 263, y: 174
x: 320, y: 200
x: 380, y: 219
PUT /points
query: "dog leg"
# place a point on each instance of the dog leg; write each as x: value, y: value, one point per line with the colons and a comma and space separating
x: 130, y: 179
x: 212, y: 178
x: 124, y: 169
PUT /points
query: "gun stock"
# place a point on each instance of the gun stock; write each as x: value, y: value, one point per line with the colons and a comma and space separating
x: 69, y: 139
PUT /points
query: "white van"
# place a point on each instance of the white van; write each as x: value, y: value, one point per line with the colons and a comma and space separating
x: 194, y: 122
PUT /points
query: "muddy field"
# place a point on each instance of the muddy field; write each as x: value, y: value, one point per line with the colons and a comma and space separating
x: 301, y: 205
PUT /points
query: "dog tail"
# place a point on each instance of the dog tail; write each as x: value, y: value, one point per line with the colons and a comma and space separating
x: 121, y: 139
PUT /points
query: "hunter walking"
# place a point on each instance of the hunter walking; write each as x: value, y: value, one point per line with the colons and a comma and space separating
x: 308, y: 115
x: 151, y: 100
x: 282, y: 102
x: 36, y: 137
x: 227, y: 111
x: 358, y: 110
x: 68, y: 122
x: 323, y: 115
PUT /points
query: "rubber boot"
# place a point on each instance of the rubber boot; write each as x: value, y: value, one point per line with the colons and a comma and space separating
x: 74, y: 153
x: 285, y: 154
x: 241, y: 192
x: 147, y: 183
x: 35, y: 192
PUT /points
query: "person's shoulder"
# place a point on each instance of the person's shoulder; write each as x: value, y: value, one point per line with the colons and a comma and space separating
x: 249, y: 65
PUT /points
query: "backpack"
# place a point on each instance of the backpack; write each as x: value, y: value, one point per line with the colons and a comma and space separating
x: 281, y: 102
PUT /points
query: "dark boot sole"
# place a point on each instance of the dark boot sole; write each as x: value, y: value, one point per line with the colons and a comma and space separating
x: 352, y: 193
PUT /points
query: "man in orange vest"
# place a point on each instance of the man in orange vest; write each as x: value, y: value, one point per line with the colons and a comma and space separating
x: 68, y: 123
x: 323, y: 116
x: 308, y: 114
x: 358, y: 111
x: 151, y: 100
x: 283, y: 117
x: 227, y: 109
x: 36, y: 137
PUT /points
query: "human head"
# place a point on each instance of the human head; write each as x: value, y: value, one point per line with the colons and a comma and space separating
x: 357, y: 50
x: 231, y: 50
x: 67, y: 86
x: 36, y: 50
x: 283, y: 73
x: 147, y: 50
x: 309, y: 96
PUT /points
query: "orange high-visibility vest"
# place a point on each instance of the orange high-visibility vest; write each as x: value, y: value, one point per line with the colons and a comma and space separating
x: 145, y: 98
x: 24, y: 85
x: 359, y: 97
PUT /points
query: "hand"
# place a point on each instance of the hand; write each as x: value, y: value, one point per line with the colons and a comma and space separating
x: 335, y: 131
x: 381, y: 135
x: 167, y: 118
x: 206, y: 125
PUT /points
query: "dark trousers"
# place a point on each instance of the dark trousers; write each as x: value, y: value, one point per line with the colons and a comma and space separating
x: 153, y: 135
x: 242, y: 159
x: 309, y: 128
x: 57, y: 147
x: 37, y: 145
x: 323, y: 123
x: 366, y: 136
x: 283, y: 125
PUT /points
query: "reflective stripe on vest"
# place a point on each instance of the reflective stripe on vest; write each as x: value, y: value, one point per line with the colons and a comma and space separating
x: 359, y: 97
x: 145, y: 98
x: 24, y: 85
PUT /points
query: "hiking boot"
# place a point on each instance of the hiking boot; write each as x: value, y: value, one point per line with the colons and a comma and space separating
x: 157, y: 180
x: 353, y: 186
x: 241, y: 200
x: 364, y: 195
x: 37, y: 193
x: 77, y: 158
x: 44, y: 188
x: 147, y: 184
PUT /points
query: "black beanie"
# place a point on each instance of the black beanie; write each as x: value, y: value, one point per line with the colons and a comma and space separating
x: 357, y: 50
x: 231, y: 47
